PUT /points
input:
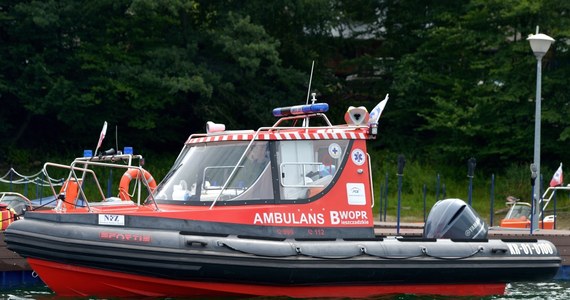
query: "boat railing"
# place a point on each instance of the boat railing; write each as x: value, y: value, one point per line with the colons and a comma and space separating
x: 549, y: 195
x: 4, y: 194
x: 81, y: 167
x: 276, y: 127
x: 73, y: 175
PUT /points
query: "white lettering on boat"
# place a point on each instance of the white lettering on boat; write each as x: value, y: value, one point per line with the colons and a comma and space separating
x: 344, y: 217
x: 348, y: 217
x: 530, y: 249
x: 115, y: 220
x: 289, y: 218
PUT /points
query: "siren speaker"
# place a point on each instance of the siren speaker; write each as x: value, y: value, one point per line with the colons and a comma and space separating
x: 356, y: 115
x: 213, y: 127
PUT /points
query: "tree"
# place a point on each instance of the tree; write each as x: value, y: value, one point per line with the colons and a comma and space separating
x: 157, y: 69
x: 471, y: 77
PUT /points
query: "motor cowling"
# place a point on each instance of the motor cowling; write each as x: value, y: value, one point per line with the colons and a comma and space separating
x: 454, y: 219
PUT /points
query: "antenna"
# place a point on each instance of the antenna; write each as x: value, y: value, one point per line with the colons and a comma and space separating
x: 117, y: 139
x: 310, y: 81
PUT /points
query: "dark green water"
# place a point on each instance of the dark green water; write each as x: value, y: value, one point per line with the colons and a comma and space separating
x: 555, y: 290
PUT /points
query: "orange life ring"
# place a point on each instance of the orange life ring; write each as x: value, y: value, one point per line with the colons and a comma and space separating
x: 126, y: 179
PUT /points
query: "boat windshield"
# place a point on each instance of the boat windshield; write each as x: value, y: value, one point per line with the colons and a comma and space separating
x: 230, y: 170
x: 204, y: 172
x: 519, y: 211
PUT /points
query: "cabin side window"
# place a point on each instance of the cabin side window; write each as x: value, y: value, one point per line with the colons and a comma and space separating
x: 307, y: 167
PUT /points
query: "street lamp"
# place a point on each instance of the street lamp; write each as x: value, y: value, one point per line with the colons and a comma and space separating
x: 539, y: 43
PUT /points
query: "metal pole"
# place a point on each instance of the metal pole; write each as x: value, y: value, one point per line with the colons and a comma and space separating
x: 109, y: 183
x: 536, y: 184
x: 424, y: 190
x: 554, y: 225
x: 386, y: 197
x: 380, y: 205
x: 437, y: 188
x: 470, y: 171
x: 11, y: 171
x: 400, y: 174
x: 532, y: 204
x: 492, y: 199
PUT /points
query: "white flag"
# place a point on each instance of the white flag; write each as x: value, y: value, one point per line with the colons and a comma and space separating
x: 558, y: 178
x: 377, y: 111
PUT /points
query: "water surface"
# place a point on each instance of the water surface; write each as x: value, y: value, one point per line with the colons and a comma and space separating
x: 553, y: 290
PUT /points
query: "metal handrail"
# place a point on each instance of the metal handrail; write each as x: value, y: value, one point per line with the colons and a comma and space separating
x: 81, y: 165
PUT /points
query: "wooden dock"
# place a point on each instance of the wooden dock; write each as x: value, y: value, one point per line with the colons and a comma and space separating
x: 10, y: 261
x: 14, y: 270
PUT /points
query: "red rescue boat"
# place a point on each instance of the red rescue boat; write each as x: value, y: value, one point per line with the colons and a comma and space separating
x: 284, y: 210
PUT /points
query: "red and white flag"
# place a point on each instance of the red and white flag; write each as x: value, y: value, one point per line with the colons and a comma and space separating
x: 102, y: 136
x: 558, y: 178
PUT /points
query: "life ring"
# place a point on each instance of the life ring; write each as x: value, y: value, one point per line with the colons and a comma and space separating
x: 126, y: 179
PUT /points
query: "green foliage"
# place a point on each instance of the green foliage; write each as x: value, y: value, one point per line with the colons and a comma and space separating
x: 471, y: 77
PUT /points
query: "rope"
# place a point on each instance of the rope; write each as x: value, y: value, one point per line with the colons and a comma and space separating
x: 245, y: 252
x: 424, y: 251
x: 36, y: 178
x: 363, y: 251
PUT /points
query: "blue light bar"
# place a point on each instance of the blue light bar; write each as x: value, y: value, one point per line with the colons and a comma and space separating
x: 301, y: 109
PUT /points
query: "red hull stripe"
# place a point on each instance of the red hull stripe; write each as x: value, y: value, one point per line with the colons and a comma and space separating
x: 66, y: 280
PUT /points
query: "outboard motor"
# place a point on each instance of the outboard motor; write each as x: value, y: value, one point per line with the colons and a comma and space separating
x: 454, y: 219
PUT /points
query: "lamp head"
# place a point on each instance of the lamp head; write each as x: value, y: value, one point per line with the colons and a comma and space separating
x: 540, y: 43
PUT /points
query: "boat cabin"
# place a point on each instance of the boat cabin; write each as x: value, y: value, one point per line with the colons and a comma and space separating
x: 295, y: 175
x: 234, y: 172
x: 302, y: 177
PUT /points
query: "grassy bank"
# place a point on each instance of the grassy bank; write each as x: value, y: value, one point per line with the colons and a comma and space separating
x: 421, y: 180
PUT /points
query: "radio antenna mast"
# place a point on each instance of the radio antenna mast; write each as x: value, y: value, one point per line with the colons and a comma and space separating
x: 310, y: 81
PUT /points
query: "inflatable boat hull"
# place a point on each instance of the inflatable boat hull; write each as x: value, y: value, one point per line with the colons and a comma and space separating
x: 83, y: 259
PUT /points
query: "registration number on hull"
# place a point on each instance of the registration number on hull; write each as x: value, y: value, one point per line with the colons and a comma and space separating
x: 530, y: 249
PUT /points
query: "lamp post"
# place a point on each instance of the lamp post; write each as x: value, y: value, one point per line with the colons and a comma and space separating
x: 539, y: 43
